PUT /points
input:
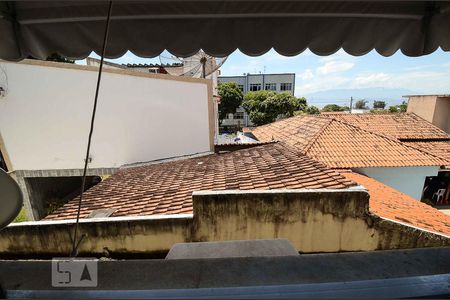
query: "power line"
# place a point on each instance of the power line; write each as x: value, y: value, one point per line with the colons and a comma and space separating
x: 75, y: 242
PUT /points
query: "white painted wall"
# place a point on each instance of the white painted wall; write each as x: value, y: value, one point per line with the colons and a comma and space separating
x: 408, y: 180
x: 45, y: 116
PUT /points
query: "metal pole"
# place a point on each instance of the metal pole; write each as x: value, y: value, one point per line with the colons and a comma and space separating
x: 75, y: 242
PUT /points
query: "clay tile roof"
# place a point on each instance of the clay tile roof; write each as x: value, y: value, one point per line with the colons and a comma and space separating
x: 166, y: 188
x: 300, y: 131
x: 402, y: 126
x: 437, y: 148
x: 391, y: 204
x: 341, y: 145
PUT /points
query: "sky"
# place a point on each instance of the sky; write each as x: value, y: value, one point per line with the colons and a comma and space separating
x: 428, y: 74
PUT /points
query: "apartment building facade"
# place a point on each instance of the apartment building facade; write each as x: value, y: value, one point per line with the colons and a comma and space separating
x: 281, y: 83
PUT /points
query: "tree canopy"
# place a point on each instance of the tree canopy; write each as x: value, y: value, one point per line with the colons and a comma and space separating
x: 312, y: 110
x: 231, y: 98
x: 403, y: 106
x: 361, y: 104
x: 379, y: 104
x: 334, y: 107
x: 264, y: 107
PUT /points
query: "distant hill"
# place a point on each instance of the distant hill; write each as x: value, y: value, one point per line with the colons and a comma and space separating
x: 392, y: 96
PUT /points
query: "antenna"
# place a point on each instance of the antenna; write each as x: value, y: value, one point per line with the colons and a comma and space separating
x: 199, y: 65
x: 11, y: 199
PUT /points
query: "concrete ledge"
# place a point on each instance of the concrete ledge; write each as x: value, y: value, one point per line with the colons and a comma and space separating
x: 357, y: 188
x: 233, y: 272
x: 102, y: 220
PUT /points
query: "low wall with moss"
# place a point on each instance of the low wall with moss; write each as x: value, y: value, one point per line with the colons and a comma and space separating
x: 313, y: 220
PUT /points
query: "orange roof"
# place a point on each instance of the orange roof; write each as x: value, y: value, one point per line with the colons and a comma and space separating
x: 402, y: 126
x: 299, y: 132
x: 437, y: 148
x: 341, y: 145
x: 166, y: 188
x: 391, y: 204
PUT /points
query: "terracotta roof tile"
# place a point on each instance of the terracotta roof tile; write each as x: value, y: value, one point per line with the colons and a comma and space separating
x: 400, y: 126
x: 389, y: 203
x: 341, y: 145
x: 166, y: 188
x: 437, y: 148
x: 299, y: 132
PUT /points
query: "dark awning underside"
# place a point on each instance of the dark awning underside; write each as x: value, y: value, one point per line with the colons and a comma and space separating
x: 74, y: 29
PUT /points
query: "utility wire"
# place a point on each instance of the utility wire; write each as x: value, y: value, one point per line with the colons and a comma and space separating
x: 75, y: 241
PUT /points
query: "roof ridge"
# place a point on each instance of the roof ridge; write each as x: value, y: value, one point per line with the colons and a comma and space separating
x: 389, y: 138
x: 393, y: 116
x: 438, y: 139
x: 429, y: 153
x: 277, y: 121
x: 316, y: 135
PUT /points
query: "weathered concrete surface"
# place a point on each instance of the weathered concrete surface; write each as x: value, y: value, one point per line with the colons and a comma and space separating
x: 312, y: 220
x: 223, y: 249
x: 249, y: 271
x: 102, y: 237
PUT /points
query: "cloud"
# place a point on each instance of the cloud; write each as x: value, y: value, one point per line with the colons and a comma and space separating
x: 320, y: 83
x: 306, y: 75
x: 334, y: 67
x: 434, y: 82
x: 371, y: 80
x: 272, y: 55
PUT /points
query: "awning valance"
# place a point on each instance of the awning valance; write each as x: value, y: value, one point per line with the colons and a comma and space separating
x: 75, y: 28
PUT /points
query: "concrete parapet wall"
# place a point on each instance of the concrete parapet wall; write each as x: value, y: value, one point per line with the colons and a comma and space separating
x: 313, y: 220
x: 102, y: 236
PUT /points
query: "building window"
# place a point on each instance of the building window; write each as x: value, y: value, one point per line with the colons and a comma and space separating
x: 271, y: 87
x: 255, y: 87
x: 286, y: 86
x: 241, y: 87
x: 238, y: 115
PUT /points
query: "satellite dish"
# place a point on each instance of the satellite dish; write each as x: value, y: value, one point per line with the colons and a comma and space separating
x: 199, y: 65
x: 11, y: 199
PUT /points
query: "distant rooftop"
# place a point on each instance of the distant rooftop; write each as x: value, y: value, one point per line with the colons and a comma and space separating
x: 174, y: 65
x: 436, y: 95
x: 403, y: 126
x: 339, y: 144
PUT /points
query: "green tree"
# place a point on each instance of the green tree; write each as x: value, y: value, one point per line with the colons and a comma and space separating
x: 403, y: 106
x: 379, y: 111
x: 379, y: 104
x: 393, y: 109
x: 361, y: 104
x: 56, y: 57
x: 231, y: 98
x: 333, y: 107
x: 59, y: 58
x: 312, y: 110
x: 264, y: 107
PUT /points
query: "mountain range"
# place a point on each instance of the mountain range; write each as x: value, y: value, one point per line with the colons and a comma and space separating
x: 392, y: 96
